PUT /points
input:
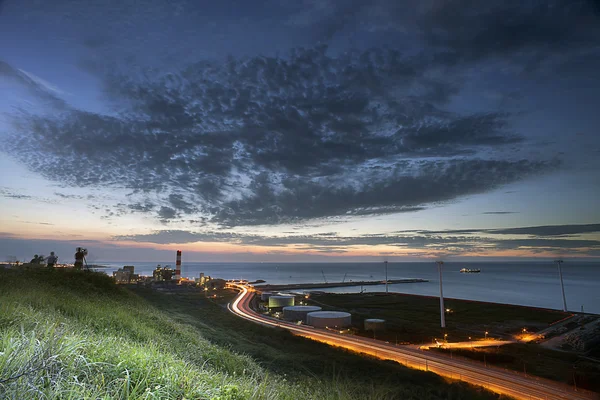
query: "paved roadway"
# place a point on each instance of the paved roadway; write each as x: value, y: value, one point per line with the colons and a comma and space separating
x: 498, y: 380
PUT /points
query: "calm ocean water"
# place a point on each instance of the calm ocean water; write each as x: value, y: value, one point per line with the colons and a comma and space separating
x: 524, y: 283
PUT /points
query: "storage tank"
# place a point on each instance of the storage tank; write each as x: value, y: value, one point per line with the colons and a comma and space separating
x: 264, y: 296
x: 374, y: 324
x: 298, y: 313
x: 280, y: 301
x: 330, y: 319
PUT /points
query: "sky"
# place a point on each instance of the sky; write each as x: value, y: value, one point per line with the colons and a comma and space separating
x: 312, y: 130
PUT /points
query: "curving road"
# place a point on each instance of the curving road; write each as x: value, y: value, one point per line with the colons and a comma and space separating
x: 498, y: 380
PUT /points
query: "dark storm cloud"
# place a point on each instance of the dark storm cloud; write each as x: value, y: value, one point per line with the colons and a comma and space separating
x: 146, y: 207
x: 471, y: 30
x: 550, y: 230
x: 166, y: 213
x: 461, y: 33
x: 544, y: 230
x: 378, y: 193
x: 265, y: 140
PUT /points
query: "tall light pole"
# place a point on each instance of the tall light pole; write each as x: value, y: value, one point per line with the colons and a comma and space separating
x: 442, y: 309
x: 386, y: 279
x: 562, y: 286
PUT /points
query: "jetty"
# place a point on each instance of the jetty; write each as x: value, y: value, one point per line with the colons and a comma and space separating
x: 322, y: 285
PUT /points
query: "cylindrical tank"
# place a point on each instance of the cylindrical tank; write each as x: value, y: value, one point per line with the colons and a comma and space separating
x: 329, y: 319
x: 264, y: 296
x: 374, y: 324
x: 298, y: 313
x: 280, y: 301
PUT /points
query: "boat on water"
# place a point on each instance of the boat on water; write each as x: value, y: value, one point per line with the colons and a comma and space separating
x: 470, y: 271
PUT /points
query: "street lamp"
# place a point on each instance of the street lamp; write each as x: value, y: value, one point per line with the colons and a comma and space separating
x: 386, y: 278
x: 442, y: 309
x: 562, y: 286
x: 486, y: 333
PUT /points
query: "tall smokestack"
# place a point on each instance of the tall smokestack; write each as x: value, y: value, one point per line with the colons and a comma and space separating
x: 178, y: 265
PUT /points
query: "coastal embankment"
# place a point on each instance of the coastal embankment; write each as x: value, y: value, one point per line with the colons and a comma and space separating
x: 322, y: 285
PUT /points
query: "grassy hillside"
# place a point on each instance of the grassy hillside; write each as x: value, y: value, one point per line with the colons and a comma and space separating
x: 75, y: 335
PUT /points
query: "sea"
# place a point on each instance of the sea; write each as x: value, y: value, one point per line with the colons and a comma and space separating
x: 534, y: 284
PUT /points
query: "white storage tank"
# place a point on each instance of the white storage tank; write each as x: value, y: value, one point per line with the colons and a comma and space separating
x: 280, y: 301
x: 298, y: 313
x: 264, y: 296
x: 329, y: 319
x: 374, y: 324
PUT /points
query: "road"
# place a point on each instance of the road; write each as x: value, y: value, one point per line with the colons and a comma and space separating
x: 502, y: 381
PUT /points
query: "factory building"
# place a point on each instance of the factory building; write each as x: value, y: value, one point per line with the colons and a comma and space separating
x: 329, y: 319
x: 281, y: 301
x: 126, y: 275
x: 161, y: 274
x: 374, y: 324
x: 298, y: 313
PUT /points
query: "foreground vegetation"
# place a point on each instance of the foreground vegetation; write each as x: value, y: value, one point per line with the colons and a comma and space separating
x: 75, y: 335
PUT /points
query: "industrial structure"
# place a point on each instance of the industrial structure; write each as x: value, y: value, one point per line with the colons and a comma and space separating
x: 264, y: 296
x: 126, y: 275
x: 298, y: 313
x: 162, y: 274
x: 178, y: 265
x: 281, y: 301
x: 329, y: 319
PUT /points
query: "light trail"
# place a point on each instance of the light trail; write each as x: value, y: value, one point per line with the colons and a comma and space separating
x: 498, y: 380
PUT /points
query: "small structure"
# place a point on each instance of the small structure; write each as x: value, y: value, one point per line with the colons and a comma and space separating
x: 281, y: 301
x: 298, y: 313
x: 264, y: 296
x: 162, y: 274
x: 126, y: 275
x: 329, y: 319
x: 216, y: 284
x: 374, y: 324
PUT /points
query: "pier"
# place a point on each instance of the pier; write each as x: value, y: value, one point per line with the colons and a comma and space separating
x: 292, y: 286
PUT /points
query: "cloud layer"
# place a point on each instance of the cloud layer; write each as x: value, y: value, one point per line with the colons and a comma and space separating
x: 535, y: 239
x: 314, y: 132
x: 270, y: 140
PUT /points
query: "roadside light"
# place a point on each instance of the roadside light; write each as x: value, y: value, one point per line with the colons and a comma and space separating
x: 486, y: 333
x: 469, y: 337
x: 524, y: 330
x: 448, y: 310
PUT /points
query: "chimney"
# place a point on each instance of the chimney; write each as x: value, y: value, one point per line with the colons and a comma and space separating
x: 178, y: 265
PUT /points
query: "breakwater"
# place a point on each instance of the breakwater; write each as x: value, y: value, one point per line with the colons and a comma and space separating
x: 322, y: 285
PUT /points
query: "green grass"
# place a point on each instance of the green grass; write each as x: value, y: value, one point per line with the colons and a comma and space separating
x: 75, y: 335
x: 416, y: 319
x: 301, y: 360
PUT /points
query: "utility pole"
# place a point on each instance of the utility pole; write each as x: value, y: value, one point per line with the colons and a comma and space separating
x: 562, y: 286
x: 386, y: 279
x: 442, y: 309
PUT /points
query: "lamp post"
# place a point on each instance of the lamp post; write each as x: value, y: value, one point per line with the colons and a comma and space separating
x: 562, y: 286
x: 442, y: 309
x: 386, y: 278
